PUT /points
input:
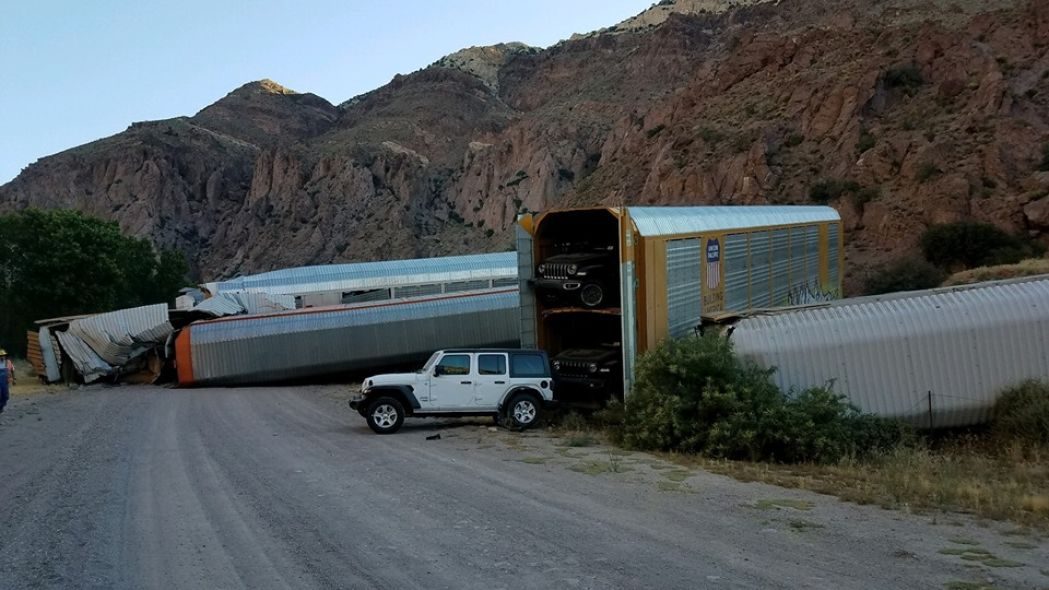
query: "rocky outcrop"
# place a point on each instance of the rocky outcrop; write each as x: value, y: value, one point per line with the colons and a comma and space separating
x: 266, y: 113
x: 484, y: 63
x: 936, y: 115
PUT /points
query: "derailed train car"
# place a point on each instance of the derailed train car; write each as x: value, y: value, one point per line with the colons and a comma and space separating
x: 311, y: 343
x: 936, y: 358
x: 600, y: 286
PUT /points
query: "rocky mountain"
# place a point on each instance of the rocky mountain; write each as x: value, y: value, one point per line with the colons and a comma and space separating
x: 900, y: 113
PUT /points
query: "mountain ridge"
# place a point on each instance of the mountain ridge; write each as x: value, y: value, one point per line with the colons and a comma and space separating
x: 936, y: 111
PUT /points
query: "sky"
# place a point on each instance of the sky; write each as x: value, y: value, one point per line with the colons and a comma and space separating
x: 79, y: 70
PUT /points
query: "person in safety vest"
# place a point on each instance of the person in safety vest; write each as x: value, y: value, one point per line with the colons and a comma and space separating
x: 7, y: 378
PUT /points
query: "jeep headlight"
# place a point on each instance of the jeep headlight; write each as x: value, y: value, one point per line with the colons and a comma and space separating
x: 592, y: 367
x: 557, y: 365
x: 572, y: 269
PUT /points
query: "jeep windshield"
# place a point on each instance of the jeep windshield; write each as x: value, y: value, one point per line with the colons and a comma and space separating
x: 429, y: 363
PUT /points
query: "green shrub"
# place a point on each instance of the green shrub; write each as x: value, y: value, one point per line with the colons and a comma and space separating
x: 866, y: 141
x: 60, y: 263
x: 970, y: 244
x: 907, y: 77
x: 825, y: 191
x: 611, y: 419
x: 711, y: 136
x: 908, y: 274
x: 819, y: 425
x: 866, y: 195
x: 1021, y: 414
x: 927, y: 171
x: 518, y: 178
x: 694, y: 395
x: 795, y: 139
x: 742, y: 143
x: 1044, y: 165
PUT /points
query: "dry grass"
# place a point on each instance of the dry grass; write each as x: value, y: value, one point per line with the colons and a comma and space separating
x: 23, y: 368
x: 1009, y: 484
x: 28, y: 384
x: 1024, y: 268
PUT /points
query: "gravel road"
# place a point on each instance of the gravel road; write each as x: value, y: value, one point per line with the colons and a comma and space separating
x: 142, y: 487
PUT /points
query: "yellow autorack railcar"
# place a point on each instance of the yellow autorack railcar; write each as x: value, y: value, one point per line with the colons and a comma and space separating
x: 672, y: 267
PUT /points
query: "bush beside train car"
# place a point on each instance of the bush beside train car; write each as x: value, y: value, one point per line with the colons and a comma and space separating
x: 695, y: 395
x: 63, y: 263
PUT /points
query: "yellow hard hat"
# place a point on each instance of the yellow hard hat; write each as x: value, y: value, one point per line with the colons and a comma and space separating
x: 3, y: 352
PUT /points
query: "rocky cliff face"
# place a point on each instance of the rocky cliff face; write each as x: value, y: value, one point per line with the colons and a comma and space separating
x: 925, y: 110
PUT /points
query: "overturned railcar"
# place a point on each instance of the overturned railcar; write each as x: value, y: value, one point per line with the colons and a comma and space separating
x: 312, y: 343
x: 599, y: 286
x: 936, y: 358
x: 363, y: 282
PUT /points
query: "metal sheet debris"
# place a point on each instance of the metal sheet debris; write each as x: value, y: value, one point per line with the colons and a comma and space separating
x: 50, y: 355
x: 119, y: 336
x: 227, y: 304
x: 90, y: 366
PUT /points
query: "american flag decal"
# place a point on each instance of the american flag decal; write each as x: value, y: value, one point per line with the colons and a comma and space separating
x: 713, y: 264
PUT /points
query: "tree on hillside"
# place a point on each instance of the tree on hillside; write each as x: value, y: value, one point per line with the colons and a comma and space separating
x: 57, y: 263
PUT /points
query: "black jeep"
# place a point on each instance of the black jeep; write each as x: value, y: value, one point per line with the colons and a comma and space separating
x: 591, y: 374
x: 589, y: 278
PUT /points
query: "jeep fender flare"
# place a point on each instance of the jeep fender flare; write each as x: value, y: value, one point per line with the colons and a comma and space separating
x: 521, y: 389
x: 404, y: 393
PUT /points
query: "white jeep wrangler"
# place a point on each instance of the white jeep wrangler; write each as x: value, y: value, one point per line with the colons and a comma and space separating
x: 513, y: 384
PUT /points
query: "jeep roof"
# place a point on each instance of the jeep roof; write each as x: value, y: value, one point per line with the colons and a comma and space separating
x: 490, y: 350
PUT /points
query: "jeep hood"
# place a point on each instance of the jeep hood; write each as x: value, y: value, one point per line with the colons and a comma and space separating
x: 391, y: 379
x: 587, y: 354
x: 576, y: 258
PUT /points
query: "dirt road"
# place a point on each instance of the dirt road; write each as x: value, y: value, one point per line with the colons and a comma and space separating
x: 139, y: 487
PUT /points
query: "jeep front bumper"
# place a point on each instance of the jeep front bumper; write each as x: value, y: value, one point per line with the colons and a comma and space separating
x: 580, y: 382
x: 559, y: 285
x: 357, y: 402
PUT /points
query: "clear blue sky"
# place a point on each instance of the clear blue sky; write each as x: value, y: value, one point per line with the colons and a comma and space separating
x: 78, y: 70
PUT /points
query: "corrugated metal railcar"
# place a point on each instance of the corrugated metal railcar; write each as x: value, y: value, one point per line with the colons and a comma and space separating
x: 334, y: 284
x: 316, y: 342
x: 677, y: 264
x: 935, y: 358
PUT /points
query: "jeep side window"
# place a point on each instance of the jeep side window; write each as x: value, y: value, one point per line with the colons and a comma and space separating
x: 527, y: 365
x: 453, y: 364
x: 491, y: 364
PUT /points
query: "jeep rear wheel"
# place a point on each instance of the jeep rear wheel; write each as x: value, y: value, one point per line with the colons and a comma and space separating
x: 385, y: 415
x: 592, y: 294
x: 524, y: 410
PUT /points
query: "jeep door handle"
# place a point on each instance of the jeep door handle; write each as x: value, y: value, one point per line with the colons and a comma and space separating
x: 465, y: 382
x: 500, y: 382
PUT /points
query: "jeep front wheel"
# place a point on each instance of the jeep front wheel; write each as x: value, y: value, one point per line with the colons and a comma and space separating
x: 524, y: 410
x: 592, y: 294
x: 385, y: 415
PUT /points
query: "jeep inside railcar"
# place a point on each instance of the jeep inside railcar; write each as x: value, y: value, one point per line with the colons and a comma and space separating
x: 577, y: 281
